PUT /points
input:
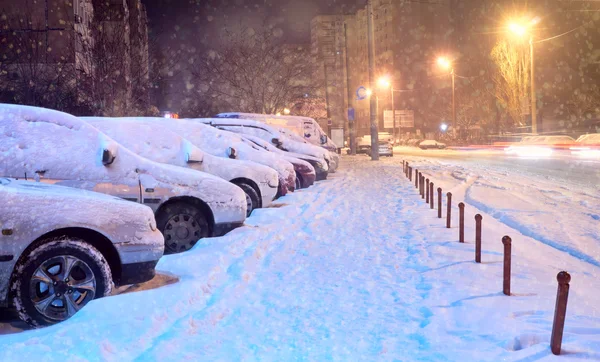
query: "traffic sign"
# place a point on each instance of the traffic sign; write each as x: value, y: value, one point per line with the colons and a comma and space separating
x: 351, y: 114
x: 361, y: 93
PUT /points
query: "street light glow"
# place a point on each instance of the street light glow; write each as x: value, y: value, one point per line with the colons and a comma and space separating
x: 444, y: 127
x: 383, y: 82
x: 444, y: 62
x: 369, y: 92
x: 517, y: 29
x: 286, y: 111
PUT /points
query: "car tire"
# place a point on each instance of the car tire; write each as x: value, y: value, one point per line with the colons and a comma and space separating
x: 45, y: 293
x: 252, y: 198
x: 182, y: 225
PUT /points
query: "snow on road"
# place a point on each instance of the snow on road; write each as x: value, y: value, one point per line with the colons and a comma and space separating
x: 354, y: 268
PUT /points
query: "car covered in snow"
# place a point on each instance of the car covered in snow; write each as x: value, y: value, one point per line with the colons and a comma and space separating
x: 156, y: 142
x: 305, y: 127
x: 57, y: 148
x: 230, y: 145
x: 62, y: 247
x: 305, y: 166
x: 277, y: 136
x: 431, y: 144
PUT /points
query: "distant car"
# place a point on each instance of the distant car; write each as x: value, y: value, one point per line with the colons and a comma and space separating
x: 157, y: 143
x: 386, y: 149
x: 431, y: 144
x: 61, y: 247
x: 58, y: 148
x: 587, y: 145
x: 279, y: 137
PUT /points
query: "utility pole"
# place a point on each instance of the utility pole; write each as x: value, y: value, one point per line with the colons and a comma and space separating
x: 372, y: 85
x: 533, y: 97
x: 327, y: 95
x: 351, y: 125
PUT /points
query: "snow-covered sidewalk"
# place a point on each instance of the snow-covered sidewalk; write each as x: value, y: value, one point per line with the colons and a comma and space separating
x: 354, y: 268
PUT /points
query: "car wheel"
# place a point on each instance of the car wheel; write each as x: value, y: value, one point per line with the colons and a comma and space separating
x: 57, y: 279
x: 252, y: 198
x: 182, y: 225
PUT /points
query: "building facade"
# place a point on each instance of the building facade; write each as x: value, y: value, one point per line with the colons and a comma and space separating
x: 88, y: 52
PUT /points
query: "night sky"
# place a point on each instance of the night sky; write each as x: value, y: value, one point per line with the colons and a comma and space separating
x: 191, y: 21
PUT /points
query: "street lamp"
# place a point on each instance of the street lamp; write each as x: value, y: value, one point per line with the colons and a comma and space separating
x: 446, y: 64
x: 384, y: 83
x: 286, y: 111
x: 520, y: 30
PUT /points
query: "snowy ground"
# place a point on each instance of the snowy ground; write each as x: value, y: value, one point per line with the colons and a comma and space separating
x: 359, y: 268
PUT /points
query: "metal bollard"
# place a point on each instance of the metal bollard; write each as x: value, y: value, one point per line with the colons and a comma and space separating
x: 448, y: 210
x: 431, y: 195
x: 422, y: 186
x: 560, y: 311
x: 478, y: 219
x: 427, y: 191
x: 461, y: 222
x: 417, y: 177
x: 439, y: 202
x: 507, y: 254
x: 410, y: 173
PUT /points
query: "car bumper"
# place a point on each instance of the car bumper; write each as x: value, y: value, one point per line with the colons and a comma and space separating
x: 307, y: 178
x: 224, y: 228
x: 147, y: 247
x: 267, y: 194
x: 321, y: 175
x: 135, y: 273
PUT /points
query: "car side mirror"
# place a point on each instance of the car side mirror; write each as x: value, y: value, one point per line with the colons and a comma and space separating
x: 107, y: 157
x: 232, y: 153
x: 323, y: 139
x: 194, y: 158
x: 276, y: 142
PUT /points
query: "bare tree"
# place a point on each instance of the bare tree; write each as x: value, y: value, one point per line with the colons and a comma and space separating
x: 584, y: 103
x: 512, y: 78
x: 253, y: 72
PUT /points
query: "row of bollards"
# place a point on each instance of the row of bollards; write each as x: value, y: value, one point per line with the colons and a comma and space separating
x: 425, y: 188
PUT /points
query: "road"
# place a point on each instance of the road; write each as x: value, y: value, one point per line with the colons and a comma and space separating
x: 563, y: 168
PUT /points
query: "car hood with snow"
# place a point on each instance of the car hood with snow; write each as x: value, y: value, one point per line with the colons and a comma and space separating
x: 221, y: 144
x: 55, y: 147
x: 157, y: 142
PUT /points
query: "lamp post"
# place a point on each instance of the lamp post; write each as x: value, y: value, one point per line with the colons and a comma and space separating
x: 384, y: 83
x: 521, y: 31
x: 447, y: 64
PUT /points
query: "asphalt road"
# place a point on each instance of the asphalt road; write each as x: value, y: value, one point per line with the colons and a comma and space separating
x: 561, y: 166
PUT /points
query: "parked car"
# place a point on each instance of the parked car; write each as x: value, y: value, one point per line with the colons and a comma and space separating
x: 62, y: 247
x: 278, y: 137
x: 230, y: 145
x: 386, y: 148
x: 57, y: 148
x: 305, y: 127
x: 157, y: 143
x: 308, y: 168
x: 431, y: 144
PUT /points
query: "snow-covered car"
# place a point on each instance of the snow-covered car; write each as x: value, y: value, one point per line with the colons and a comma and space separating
x: 63, y: 247
x: 431, y: 144
x: 157, y: 143
x: 279, y: 137
x: 386, y: 148
x: 57, y: 148
x: 305, y: 127
x: 230, y: 145
x: 308, y: 168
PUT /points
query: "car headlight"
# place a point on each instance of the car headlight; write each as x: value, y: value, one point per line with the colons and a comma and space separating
x: 273, y: 183
x: 152, y: 224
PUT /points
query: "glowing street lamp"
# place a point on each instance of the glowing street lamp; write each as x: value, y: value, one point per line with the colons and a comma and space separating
x: 521, y: 30
x: 446, y: 64
x: 286, y: 111
x: 383, y: 82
